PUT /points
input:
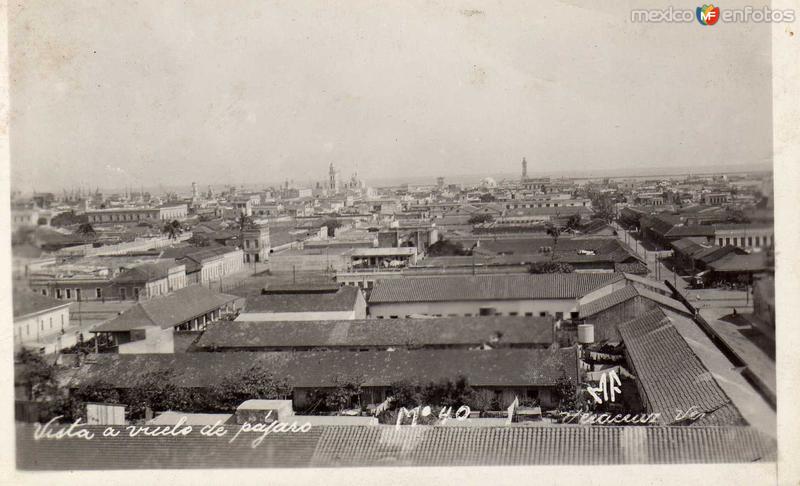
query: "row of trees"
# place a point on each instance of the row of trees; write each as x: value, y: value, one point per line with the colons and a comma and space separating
x: 160, y: 390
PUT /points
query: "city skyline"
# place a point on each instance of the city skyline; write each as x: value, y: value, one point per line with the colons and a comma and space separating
x: 276, y: 90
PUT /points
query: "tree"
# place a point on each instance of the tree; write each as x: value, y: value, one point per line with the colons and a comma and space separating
x: 199, y: 240
x: 738, y: 216
x: 86, y: 229
x: 173, y: 229
x: 574, y: 221
x: 332, y: 224
x: 488, y: 198
x: 254, y: 382
x: 566, y: 390
x: 554, y: 233
x: 446, y: 248
x: 94, y: 391
x: 551, y: 267
x: 68, y: 218
x: 155, y: 390
x: 480, y: 219
x: 36, y: 375
x: 345, y: 392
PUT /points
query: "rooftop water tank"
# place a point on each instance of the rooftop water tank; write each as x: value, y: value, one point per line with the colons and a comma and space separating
x: 585, y: 333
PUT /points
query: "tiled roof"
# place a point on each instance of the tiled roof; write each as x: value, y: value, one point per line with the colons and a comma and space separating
x: 169, y: 310
x: 732, y: 262
x: 26, y: 302
x: 691, y: 230
x: 628, y: 292
x: 146, y: 272
x: 490, y: 287
x: 688, y: 245
x: 359, y: 446
x: 671, y: 375
x: 607, y: 301
x: 635, y: 268
x: 380, y: 332
x: 342, y: 300
x: 314, y: 369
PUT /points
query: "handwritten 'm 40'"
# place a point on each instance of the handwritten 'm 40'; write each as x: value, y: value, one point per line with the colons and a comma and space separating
x: 445, y: 413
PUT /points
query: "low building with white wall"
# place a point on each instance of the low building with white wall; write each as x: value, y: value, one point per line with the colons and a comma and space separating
x: 555, y: 294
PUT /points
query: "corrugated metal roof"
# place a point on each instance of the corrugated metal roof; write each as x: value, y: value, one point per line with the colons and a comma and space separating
x: 490, y: 287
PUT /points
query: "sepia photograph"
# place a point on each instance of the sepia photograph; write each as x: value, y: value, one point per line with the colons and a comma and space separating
x: 308, y: 235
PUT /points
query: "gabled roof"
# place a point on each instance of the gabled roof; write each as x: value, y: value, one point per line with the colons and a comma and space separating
x: 386, y: 445
x: 634, y: 268
x: 342, y: 300
x: 26, y: 302
x: 490, y: 287
x: 670, y: 374
x: 168, y: 311
x: 732, y: 262
x: 689, y: 245
x: 626, y: 293
x: 691, y: 230
x: 502, y: 330
x: 320, y: 369
x: 146, y: 272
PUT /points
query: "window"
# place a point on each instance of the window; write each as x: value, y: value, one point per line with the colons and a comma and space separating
x: 487, y: 311
x: 58, y: 293
x: 392, y: 317
x: 122, y: 293
x: 758, y: 242
x: 543, y: 314
x: 51, y: 323
x: 62, y: 322
x: 559, y: 315
x: 529, y: 314
x: 44, y: 292
x: 513, y: 313
x: 749, y: 241
x: 573, y: 315
x: 98, y: 293
x: 69, y: 293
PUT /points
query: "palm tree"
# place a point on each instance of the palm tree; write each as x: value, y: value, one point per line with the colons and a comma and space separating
x: 554, y: 233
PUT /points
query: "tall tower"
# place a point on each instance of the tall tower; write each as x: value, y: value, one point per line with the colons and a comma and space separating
x: 524, y: 169
x: 194, y: 190
x: 332, y: 177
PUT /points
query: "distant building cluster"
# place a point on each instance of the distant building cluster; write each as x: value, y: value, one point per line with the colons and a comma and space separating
x: 513, y: 295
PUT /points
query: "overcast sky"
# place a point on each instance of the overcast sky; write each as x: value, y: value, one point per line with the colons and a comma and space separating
x: 169, y: 92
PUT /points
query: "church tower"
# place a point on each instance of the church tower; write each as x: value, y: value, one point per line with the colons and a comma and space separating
x: 524, y: 169
x: 332, y: 183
